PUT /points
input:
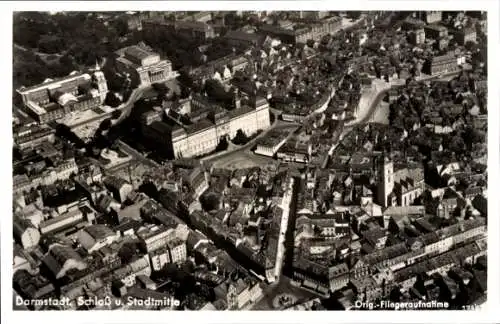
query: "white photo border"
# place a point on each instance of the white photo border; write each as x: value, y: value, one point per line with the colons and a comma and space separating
x: 486, y: 315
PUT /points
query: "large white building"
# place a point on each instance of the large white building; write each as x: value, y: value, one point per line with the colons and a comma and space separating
x: 178, y: 251
x: 53, y: 99
x: 155, y: 237
x: 144, y: 66
x: 204, y: 136
x: 95, y: 237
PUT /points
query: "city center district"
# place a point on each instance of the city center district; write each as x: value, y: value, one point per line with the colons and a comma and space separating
x: 250, y: 160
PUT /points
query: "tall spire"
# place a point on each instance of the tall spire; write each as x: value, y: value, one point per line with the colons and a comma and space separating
x: 97, y: 67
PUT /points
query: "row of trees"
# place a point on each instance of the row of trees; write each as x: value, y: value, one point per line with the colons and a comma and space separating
x: 30, y: 69
x: 83, y: 35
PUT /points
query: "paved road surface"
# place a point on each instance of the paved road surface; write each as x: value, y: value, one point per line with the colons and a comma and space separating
x: 282, y: 286
x: 215, y: 157
x: 137, y: 155
x: 374, y: 104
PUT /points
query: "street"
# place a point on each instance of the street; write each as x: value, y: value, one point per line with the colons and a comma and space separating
x: 286, y: 204
x: 282, y: 287
x: 238, y: 150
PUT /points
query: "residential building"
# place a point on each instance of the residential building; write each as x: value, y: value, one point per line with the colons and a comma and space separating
x: 63, y: 170
x: 159, y: 258
x: 435, y: 31
x: 198, y: 181
x: 241, y: 38
x: 339, y: 276
x: 155, y: 237
x: 441, y: 64
x: 417, y: 37
x: 271, y: 143
x: 178, y: 251
x: 61, y: 258
x: 462, y: 36
x: 119, y: 187
x: 366, y: 289
x: 432, y: 17
x: 128, y: 273
x: 95, y: 237
x: 29, y: 137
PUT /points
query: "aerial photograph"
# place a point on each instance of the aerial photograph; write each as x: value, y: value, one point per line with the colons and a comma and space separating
x: 249, y: 160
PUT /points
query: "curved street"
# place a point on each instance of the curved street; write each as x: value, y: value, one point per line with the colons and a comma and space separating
x: 127, y: 106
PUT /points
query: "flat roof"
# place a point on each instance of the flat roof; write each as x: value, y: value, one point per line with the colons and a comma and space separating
x: 138, y: 53
x: 52, y: 82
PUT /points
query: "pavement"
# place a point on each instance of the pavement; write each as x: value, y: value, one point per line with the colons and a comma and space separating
x: 282, y: 286
x: 239, y: 149
x: 369, y: 101
x: 125, y: 108
x: 137, y: 155
x: 36, y: 52
x: 286, y: 204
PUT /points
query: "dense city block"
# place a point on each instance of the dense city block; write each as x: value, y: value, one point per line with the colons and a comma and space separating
x: 250, y: 160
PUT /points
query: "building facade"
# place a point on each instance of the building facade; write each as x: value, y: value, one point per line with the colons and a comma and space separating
x: 144, y: 66
x: 417, y: 37
x: 204, y: 136
x: 53, y: 99
x: 433, y: 16
x: 178, y: 251
x: 436, y: 31
x: 312, y: 31
x: 441, y: 64
x: 465, y: 35
x: 194, y: 29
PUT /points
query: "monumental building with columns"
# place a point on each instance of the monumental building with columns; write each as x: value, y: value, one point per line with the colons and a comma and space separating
x: 144, y: 66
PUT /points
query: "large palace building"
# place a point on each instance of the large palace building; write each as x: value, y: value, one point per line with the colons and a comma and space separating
x: 207, y: 128
x: 53, y: 99
x: 145, y: 67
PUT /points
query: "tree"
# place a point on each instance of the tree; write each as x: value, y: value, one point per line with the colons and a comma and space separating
x: 112, y: 100
x: 222, y: 145
x: 127, y: 252
x: 121, y: 27
x: 353, y: 14
x: 51, y: 45
x: 471, y: 46
x: 241, y: 138
x: 116, y: 114
x: 209, y: 201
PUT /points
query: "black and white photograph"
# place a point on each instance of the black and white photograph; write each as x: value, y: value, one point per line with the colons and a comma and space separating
x: 250, y: 160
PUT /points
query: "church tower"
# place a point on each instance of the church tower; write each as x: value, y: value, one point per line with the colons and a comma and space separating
x: 236, y: 99
x: 385, y: 177
x: 100, y: 81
